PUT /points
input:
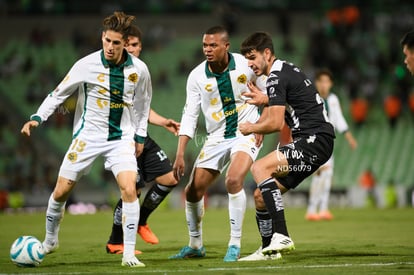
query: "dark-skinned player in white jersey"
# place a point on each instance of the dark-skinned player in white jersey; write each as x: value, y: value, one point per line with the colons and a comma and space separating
x: 293, y: 100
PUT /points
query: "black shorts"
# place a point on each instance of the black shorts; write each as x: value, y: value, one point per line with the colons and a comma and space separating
x: 152, y: 163
x: 305, y: 155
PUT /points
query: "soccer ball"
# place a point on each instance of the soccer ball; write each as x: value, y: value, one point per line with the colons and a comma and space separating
x: 27, y: 251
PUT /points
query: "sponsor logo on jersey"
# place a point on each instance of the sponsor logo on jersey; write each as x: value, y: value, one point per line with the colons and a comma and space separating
x: 311, y: 139
x: 101, y: 77
x: 133, y: 78
x: 230, y: 112
x: 208, y: 88
x: 118, y: 105
x: 272, y: 82
x: 227, y: 99
x: 242, y: 79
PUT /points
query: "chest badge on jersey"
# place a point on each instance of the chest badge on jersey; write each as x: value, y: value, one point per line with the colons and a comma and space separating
x: 242, y: 79
x: 133, y: 78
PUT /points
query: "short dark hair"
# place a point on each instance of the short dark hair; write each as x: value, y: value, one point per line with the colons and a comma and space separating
x: 408, y: 40
x: 218, y: 29
x: 118, y: 22
x: 258, y: 41
x: 322, y: 72
x: 135, y: 32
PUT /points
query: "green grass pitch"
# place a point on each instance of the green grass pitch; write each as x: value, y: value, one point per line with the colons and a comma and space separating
x: 357, y: 241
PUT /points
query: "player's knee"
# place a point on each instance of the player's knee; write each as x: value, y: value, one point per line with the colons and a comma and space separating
x: 255, y: 169
x: 233, y: 182
x: 258, y: 199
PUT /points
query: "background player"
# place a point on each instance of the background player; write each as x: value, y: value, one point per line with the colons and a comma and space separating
x: 154, y: 166
x: 408, y: 50
x: 114, y: 95
x: 293, y: 100
x: 322, y: 179
x: 215, y: 87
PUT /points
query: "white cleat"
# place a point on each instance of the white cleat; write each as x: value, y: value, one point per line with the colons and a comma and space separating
x: 132, y: 262
x: 50, y: 247
x: 279, y: 243
x: 259, y: 256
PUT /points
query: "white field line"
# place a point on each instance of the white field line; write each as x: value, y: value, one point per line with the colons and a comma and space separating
x: 275, y: 267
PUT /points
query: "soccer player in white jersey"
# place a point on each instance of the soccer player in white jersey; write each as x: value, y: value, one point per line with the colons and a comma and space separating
x: 215, y: 88
x: 318, y: 206
x: 154, y: 167
x: 114, y: 95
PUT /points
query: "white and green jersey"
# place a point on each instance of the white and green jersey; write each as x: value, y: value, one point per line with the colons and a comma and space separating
x: 219, y: 96
x: 113, y: 101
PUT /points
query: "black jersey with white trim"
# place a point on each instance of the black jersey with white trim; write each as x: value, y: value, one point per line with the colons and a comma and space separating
x: 305, y: 115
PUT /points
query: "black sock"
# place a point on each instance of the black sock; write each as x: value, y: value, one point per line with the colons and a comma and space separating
x: 152, y: 200
x: 117, y: 234
x: 264, y: 223
x: 274, y: 203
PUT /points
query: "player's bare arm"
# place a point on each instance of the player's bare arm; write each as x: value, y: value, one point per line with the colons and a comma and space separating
x: 168, y: 123
x: 351, y: 140
x: 28, y: 126
x: 179, y: 163
x: 271, y: 120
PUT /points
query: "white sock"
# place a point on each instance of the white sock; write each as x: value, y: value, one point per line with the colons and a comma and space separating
x: 130, y: 217
x: 194, y: 212
x: 237, y: 208
x: 314, y: 193
x: 54, y: 215
x: 326, y: 181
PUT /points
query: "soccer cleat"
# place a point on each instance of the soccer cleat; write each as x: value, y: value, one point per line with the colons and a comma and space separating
x: 188, y: 252
x: 50, y: 248
x: 326, y: 215
x: 147, y: 235
x: 279, y: 243
x: 132, y: 262
x: 118, y: 249
x: 259, y: 256
x: 256, y: 256
x: 312, y: 217
x: 233, y: 254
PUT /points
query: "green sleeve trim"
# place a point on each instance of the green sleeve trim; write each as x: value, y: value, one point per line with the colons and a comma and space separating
x: 36, y: 118
x: 139, y: 139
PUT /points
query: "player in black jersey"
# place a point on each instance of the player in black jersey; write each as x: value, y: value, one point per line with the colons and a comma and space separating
x: 293, y: 100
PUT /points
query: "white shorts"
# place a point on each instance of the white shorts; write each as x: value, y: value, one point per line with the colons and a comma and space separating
x: 119, y: 155
x: 329, y: 164
x: 216, y: 154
